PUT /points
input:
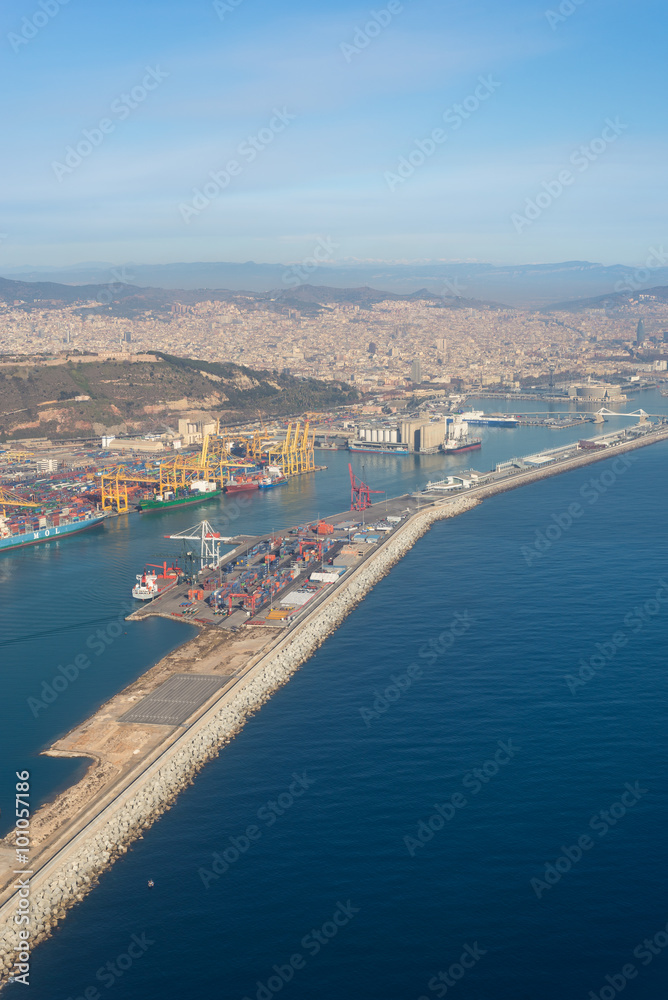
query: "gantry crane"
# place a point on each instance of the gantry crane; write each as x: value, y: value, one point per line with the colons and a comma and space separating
x: 296, y: 454
x: 360, y: 493
x: 9, y: 499
x: 114, y: 488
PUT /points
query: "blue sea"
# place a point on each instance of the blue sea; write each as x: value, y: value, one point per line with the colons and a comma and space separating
x: 463, y: 793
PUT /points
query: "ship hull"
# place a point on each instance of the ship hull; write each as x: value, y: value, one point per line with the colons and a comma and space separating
x: 449, y: 450
x: 48, y: 534
x: 146, y: 506
x: 492, y: 422
x: 141, y: 594
x: 240, y: 487
x: 270, y: 486
x: 379, y: 451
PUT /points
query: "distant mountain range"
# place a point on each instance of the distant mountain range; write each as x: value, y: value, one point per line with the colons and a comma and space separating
x: 130, y: 300
x: 523, y: 285
x: 612, y: 301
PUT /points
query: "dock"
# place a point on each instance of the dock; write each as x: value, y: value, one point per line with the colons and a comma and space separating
x: 149, y: 740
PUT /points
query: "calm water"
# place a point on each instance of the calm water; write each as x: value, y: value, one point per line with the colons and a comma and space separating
x: 525, y: 622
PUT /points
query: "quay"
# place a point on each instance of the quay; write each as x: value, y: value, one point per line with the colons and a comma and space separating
x: 148, y: 741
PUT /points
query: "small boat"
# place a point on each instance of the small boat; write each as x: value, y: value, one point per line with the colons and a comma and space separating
x: 150, y: 883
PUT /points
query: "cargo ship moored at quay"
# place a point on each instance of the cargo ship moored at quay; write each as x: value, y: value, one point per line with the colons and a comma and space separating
x: 182, y: 498
x: 78, y: 838
x: 15, y: 535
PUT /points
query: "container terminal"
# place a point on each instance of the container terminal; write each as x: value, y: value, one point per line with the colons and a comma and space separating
x: 148, y: 741
x: 41, y: 501
x: 274, y: 579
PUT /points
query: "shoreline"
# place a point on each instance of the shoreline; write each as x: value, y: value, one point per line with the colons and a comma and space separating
x: 118, y: 808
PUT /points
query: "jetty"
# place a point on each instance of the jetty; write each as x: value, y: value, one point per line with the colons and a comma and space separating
x: 149, y: 741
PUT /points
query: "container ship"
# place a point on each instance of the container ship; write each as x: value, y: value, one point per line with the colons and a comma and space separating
x: 241, y: 484
x: 31, y: 530
x: 199, y: 491
x: 268, y: 482
x: 150, y: 584
x: 476, y: 418
x: 274, y: 477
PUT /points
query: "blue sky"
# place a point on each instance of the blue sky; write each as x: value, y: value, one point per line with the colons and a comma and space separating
x: 331, y: 172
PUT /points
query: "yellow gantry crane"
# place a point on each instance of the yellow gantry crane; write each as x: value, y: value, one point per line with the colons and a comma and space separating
x: 296, y: 454
x: 9, y: 499
x: 17, y: 456
x: 114, y: 488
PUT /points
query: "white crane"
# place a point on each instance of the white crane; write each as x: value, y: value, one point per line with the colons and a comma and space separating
x: 210, y: 541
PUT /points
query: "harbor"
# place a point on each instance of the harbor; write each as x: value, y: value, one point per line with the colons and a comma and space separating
x: 148, y: 741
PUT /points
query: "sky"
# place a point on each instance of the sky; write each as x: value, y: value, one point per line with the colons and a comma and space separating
x: 234, y: 130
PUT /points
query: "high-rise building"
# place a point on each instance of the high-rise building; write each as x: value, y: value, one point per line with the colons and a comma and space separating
x: 416, y: 371
x: 640, y: 332
x: 441, y: 345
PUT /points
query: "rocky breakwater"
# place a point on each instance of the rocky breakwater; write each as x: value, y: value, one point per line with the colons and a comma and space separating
x: 71, y: 873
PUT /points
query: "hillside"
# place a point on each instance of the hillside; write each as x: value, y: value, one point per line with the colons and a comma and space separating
x: 128, y: 300
x: 39, y: 399
x: 612, y: 300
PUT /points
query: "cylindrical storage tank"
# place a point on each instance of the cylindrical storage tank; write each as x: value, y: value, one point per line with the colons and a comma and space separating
x: 393, y: 437
x: 374, y: 434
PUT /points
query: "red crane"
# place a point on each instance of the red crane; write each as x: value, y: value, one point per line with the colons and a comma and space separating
x: 360, y: 493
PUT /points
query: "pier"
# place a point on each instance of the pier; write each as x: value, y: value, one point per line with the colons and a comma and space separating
x: 149, y: 740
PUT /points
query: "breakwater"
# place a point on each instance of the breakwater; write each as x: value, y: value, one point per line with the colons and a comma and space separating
x: 65, y: 878
x: 73, y: 871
